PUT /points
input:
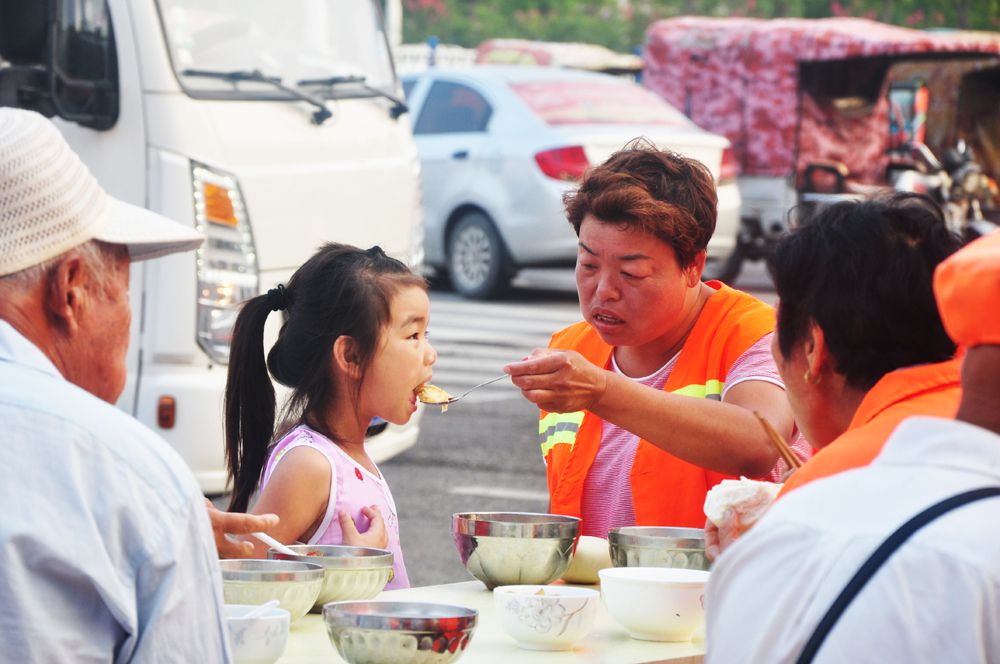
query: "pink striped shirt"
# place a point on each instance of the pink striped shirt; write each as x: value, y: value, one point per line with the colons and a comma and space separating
x: 607, y: 491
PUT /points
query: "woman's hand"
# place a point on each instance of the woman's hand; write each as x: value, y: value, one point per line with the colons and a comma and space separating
x: 559, y: 381
x: 236, y: 523
x: 719, y: 538
x: 376, y: 535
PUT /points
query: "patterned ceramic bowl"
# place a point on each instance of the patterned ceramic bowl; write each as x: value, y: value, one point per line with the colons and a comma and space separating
x: 651, y: 546
x: 546, y: 617
x: 259, y: 640
x: 379, y: 632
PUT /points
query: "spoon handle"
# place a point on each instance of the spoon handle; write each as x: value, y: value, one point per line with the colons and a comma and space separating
x: 274, y: 544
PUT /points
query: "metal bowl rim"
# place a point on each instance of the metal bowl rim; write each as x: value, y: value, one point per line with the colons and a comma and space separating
x: 541, y: 526
x: 337, y: 615
x: 355, y: 557
x: 288, y: 570
x: 686, y: 538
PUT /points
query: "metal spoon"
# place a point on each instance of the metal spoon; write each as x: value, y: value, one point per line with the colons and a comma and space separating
x: 452, y: 400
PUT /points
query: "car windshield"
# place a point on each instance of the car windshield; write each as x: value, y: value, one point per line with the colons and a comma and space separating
x: 590, y: 102
x: 290, y: 41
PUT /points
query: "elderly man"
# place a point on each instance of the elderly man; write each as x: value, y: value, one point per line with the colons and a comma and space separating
x: 831, y: 575
x: 106, y: 553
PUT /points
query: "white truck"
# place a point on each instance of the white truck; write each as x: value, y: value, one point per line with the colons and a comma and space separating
x: 272, y: 127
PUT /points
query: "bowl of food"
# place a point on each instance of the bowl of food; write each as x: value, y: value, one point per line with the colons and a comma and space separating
x: 514, y: 548
x: 654, y: 546
x: 294, y: 584
x: 546, y: 617
x: 258, y: 639
x: 351, y: 572
x: 655, y: 603
x: 375, y: 632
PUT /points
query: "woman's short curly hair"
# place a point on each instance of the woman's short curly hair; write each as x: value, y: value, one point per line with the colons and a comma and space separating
x: 660, y: 192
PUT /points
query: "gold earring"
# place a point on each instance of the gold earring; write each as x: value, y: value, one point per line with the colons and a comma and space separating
x: 809, y: 378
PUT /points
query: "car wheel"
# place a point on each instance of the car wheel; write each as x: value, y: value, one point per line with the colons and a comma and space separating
x: 477, y: 259
x: 725, y: 269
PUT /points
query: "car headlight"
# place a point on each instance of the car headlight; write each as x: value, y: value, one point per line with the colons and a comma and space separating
x: 226, y: 262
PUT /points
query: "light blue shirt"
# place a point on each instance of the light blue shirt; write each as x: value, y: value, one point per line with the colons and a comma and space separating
x: 106, y: 552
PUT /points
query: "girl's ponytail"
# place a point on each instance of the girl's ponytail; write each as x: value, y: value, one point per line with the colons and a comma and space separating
x: 249, y: 404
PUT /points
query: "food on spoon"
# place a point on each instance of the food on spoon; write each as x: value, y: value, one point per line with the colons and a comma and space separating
x: 540, y: 591
x: 749, y: 498
x: 432, y: 394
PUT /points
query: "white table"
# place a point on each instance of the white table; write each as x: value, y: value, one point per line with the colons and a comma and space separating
x: 308, y: 642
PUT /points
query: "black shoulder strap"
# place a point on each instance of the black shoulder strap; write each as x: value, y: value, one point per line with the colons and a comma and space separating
x: 881, y: 554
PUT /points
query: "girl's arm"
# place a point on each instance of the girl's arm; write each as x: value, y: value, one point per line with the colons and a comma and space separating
x: 297, y: 492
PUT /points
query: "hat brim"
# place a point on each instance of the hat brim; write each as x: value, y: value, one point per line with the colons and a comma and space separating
x: 146, y: 234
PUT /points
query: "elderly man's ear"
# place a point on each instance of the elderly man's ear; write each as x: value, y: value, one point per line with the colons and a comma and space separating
x: 68, y: 292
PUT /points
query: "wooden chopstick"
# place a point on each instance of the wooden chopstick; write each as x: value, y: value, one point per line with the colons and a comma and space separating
x: 783, y: 449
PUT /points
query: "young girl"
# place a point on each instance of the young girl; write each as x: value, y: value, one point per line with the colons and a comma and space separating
x: 353, y: 346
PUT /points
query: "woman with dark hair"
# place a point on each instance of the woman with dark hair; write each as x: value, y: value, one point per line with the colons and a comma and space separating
x: 859, y: 343
x: 353, y: 346
x: 648, y: 402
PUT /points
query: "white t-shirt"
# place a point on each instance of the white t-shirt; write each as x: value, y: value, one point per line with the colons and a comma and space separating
x: 936, y: 600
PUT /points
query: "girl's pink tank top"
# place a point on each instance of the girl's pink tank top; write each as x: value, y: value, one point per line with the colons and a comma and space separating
x: 351, y: 488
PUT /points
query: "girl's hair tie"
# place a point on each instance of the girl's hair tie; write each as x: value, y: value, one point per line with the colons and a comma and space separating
x: 277, y: 299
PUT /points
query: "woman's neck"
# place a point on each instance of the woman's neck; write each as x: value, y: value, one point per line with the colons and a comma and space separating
x: 646, y: 359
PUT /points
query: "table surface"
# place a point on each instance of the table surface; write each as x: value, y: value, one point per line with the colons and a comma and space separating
x: 308, y: 642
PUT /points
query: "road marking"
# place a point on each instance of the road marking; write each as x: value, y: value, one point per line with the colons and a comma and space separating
x: 495, y: 492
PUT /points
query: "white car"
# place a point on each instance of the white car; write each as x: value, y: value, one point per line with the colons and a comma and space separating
x: 499, y: 146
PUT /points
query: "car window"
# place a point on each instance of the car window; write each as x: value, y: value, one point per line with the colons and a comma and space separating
x: 408, y: 85
x: 596, y: 102
x: 452, y: 108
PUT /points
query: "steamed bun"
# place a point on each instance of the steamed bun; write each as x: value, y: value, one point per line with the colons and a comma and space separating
x: 749, y: 498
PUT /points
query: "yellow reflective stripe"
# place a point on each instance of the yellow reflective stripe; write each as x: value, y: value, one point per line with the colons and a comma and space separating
x: 710, y: 388
x: 559, y: 428
x: 560, y: 437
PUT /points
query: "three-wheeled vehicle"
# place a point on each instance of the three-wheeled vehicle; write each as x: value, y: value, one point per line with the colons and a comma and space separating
x: 807, y: 105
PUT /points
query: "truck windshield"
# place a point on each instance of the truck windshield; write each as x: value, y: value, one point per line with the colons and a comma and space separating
x: 290, y: 41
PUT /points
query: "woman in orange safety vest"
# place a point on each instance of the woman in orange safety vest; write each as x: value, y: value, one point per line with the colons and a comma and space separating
x: 649, y: 401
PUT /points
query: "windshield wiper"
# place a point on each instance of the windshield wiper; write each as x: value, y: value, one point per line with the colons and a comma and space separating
x: 318, y: 117
x: 398, y: 105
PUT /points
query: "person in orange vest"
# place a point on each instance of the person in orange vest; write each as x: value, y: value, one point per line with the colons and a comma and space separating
x: 899, y: 560
x: 859, y: 343
x: 649, y: 401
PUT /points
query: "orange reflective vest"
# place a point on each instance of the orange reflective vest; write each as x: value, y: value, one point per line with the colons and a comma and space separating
x: 925, y: 389
x: 666, y: 491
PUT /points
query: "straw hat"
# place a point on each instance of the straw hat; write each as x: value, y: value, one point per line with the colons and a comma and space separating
x: 967, y: 287
x: 50, y: 203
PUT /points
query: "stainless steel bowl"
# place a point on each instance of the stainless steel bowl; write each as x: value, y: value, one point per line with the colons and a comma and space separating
x: 352, y: 572
x: 294, y: 584
x: 399, y: 632
x: 653, y: 546
x: 514, y: 548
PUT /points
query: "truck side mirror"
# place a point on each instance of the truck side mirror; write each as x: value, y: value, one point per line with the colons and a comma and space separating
x: 24, y: 80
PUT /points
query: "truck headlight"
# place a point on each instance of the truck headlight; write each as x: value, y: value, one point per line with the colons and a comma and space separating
x: 226, y: 262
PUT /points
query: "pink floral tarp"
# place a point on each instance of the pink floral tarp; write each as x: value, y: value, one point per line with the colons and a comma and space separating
x: 741, y: 77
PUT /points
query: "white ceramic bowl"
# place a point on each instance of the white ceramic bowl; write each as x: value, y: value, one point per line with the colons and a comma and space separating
x: 258, y: 640
x: 553, y: 620
x: 655, y: 603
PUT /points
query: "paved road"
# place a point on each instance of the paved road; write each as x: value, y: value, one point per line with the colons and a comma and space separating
x: 482, y: 455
